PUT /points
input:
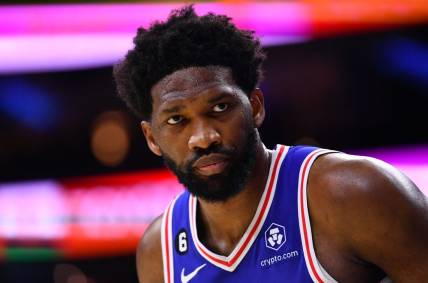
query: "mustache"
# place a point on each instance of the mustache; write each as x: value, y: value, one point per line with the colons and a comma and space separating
x: 200, y: 152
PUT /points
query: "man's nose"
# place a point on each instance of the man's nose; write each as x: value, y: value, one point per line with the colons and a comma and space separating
x: 203, y: 136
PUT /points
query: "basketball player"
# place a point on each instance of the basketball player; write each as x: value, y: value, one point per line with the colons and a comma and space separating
x: 251, y: 214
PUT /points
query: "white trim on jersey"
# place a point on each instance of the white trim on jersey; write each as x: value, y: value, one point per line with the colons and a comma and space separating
x: 316, y: 271
x: 229, y: 263
x: 167, y: 243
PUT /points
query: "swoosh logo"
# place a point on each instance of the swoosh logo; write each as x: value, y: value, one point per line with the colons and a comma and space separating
x: 188, y: 277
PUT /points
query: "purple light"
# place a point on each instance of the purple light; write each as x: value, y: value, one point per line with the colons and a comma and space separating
x: 67, y: 37
x: 411, y: 160
x: 404, y: 155
x: 264, y: 18
x: 61, y: 52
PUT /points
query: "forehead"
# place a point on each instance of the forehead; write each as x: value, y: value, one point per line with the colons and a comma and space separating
x: 190, y: 82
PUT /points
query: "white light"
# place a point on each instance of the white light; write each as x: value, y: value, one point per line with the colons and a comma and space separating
x: 32, y: 210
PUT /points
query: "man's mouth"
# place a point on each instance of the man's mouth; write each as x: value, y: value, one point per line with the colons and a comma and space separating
x: 211, y: 164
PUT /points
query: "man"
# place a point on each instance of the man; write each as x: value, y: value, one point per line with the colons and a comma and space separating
x: 249, y: 214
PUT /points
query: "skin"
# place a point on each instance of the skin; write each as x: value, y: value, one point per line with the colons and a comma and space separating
x: 368, y: 219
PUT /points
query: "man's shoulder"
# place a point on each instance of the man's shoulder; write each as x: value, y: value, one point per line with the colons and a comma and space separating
x: 344, y: 177
x: 152, y: 235
x: 149, y: 253
x: 352, y: 185
x: 371, y: 210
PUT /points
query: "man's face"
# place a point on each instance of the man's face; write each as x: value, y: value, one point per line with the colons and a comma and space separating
x: 202, y: 125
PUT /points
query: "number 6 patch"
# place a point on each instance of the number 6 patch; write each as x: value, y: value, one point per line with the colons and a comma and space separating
x: 181, y: 245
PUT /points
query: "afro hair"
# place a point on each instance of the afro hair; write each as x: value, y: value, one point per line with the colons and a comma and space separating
x: 186, y: 40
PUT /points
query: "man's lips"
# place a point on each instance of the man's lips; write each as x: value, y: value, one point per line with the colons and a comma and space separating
x: 211, y: 164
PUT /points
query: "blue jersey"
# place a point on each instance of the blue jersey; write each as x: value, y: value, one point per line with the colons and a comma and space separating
x: 277, y: 245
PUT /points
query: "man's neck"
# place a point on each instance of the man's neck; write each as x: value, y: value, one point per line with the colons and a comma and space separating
x: 222, y: 224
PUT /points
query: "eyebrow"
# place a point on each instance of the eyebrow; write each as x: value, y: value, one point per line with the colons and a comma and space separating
x: 177, y: 108
x: 173, y: 109
x: 219, y: 97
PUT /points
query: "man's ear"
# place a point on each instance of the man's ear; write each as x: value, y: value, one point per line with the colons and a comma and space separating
x: 258, y: 106
x: 148, y: 134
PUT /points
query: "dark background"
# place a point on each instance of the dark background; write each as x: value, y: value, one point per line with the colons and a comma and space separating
x: 357, y: 91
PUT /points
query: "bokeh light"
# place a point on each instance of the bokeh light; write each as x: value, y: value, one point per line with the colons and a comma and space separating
x: 110, y: 138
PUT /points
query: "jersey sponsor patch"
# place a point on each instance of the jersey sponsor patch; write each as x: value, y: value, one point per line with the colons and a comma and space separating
x: 275, y: 236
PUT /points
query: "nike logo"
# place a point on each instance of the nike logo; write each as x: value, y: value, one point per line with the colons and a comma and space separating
x: 188, y: 277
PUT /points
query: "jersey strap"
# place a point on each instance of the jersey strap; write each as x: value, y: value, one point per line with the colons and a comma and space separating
x: 166, y: 242
x: 317, y: 273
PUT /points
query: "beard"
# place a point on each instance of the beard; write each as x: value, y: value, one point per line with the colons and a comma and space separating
x: 218, y: 187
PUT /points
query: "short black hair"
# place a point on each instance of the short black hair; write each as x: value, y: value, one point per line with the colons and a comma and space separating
x: 186, y: 40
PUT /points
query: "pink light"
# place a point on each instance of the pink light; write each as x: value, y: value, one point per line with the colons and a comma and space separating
x: 417, y: 173
x: 264, y: 18
x: 39, y: 53
x: 274, y: 22
x: 141, y: 196
x: 97, y: 206
x: 411, y: 160
x: 412, y: 155
x: 59, y: 52
x: 68, y: 37
x: 97, y: 215
x: 33, y: 213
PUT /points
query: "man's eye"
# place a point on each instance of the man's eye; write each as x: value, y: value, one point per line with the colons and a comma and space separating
x: 175, y: 119
x: 221, y: 107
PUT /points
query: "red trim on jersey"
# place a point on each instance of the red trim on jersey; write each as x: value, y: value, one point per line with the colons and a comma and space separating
x: 302, y: 210
x: 257, y: 223
x: 167, y: 221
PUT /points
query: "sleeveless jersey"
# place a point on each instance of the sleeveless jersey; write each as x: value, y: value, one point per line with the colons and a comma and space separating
x: 277, y: 245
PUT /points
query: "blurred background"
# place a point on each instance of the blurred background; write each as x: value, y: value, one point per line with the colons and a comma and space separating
x: 78, y: 185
